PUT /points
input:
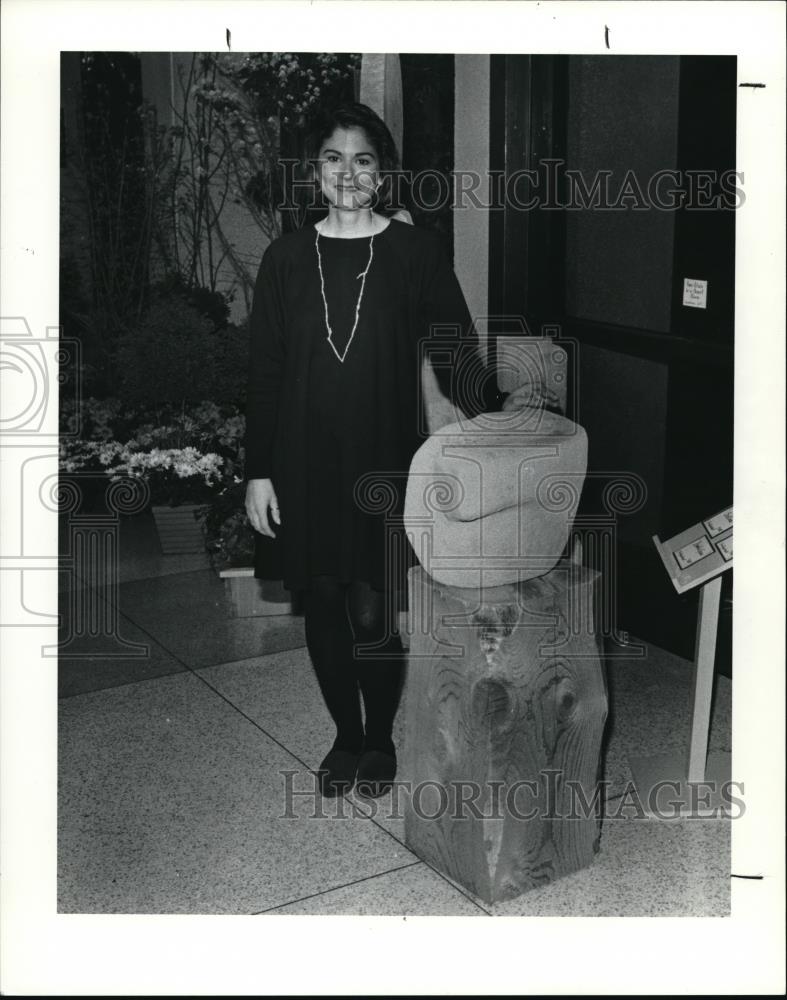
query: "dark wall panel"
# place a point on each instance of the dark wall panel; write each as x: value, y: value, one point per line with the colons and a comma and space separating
x: 622, y: 115
x: 428, y: 138
x: 622, y: 404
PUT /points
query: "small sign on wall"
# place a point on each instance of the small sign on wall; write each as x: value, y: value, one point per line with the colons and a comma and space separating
x: 695, y: 293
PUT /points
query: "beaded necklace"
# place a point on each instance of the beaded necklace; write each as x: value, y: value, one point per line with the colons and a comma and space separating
x: 362, y: 276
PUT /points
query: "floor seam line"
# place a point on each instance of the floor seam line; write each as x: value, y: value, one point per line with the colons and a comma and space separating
x: 337, y: 888
x: 157, y: 677
x: 169, y: 652
x: 245, y: 659
x: 249, y: 719
x: 461, y: 890
x: 223, y: 697
x: 435, y: 870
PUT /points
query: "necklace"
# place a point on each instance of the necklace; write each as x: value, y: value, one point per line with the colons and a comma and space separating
x: 362, y: 276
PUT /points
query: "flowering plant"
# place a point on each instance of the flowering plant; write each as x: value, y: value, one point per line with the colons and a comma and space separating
x: 87, y: 457
x: 173, y: 475
x: 291, y: 85
x: 184, y: 455
x: 207, y: 426
x: 97, y: 419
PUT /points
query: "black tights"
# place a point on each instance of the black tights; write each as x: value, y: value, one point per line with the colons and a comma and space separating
x: 339, y: 616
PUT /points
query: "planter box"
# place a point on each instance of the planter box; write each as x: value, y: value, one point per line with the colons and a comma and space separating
x: 178, y: 530
x: 252, y: 598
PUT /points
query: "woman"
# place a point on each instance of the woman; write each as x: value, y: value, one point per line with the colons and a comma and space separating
x: 334, y: 417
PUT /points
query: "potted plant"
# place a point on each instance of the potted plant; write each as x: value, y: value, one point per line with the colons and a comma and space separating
x: 185, y: 455
x: 181, y: 482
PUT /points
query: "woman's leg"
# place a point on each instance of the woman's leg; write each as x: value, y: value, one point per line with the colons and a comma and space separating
x: 379, y: 668
x: 329, y: 640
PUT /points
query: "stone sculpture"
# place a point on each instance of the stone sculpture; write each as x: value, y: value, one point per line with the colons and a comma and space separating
x: 505, y: 698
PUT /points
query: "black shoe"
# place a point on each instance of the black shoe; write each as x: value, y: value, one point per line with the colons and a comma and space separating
x: 336, y: 774
x: 376, y: 772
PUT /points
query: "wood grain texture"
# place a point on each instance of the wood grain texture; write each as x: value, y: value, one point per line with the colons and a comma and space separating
x: 505, y: 705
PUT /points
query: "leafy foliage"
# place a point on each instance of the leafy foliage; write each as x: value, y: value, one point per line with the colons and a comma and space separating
x: 176, y: 353
x: 230, y: 538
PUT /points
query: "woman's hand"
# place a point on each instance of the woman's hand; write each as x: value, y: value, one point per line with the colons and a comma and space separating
x: 532, y: 394
x: 260, y: 495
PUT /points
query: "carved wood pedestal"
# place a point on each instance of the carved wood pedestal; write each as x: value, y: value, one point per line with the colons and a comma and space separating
x: 505, y: 704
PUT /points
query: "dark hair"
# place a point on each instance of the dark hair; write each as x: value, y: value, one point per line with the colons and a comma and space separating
x: 377, y: 132
x: 354, y: 116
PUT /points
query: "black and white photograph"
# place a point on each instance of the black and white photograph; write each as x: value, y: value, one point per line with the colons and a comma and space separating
x: 373, y: 425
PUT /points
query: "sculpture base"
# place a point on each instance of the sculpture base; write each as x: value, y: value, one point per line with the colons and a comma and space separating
x: 505, y: 704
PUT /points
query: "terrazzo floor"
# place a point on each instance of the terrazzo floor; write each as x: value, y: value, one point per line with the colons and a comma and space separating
x: 174, y: 764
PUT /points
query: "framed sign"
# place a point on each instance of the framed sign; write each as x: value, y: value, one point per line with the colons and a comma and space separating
x: 699, y: 553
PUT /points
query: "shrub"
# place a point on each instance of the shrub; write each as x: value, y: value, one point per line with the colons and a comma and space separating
x: 176, y: 355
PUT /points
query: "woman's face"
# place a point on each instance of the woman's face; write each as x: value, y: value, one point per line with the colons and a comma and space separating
x: 348, y: 169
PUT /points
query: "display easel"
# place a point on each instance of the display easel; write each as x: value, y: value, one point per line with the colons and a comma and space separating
x: 694, y: 782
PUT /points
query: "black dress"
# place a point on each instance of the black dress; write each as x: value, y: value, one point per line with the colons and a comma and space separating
x: 337, y: 437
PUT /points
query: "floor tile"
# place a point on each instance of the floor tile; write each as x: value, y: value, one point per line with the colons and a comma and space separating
x: 281, y: 694
x: 413, y: 891
x: 169, y: 595
x: 139, y: 554
x: 189, y: 615
x: 99, y: 647
x: 171, y: 802
x: 650, y: 712
x: 88, y: 667
x: 644, y: 868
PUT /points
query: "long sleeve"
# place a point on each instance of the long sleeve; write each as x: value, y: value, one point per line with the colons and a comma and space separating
x: 459, y: 366
x: 266, y: 364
